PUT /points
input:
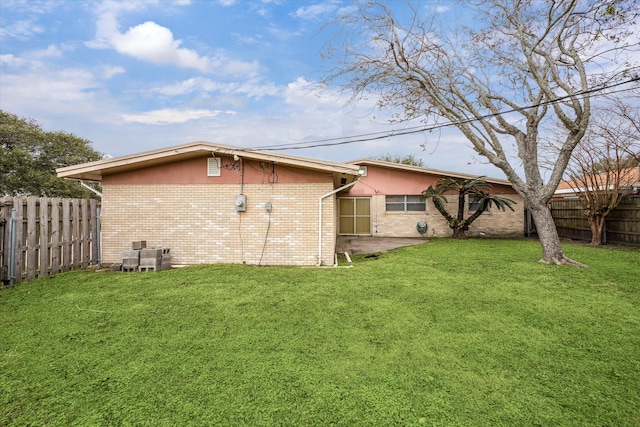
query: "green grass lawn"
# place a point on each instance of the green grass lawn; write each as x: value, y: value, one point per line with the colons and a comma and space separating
x: 447, y: 333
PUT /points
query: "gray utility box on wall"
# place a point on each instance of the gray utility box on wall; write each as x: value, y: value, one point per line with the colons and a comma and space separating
x: 241, y: 203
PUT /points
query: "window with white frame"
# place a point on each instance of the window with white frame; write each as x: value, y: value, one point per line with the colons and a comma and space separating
x: 405, y: 203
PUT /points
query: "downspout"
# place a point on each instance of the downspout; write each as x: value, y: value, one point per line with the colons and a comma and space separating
x: 90, y: 188
x: 337, y: 190
x: 99, y: 235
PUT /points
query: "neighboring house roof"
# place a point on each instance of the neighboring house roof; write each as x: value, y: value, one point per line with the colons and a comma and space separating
x: 630, y: 179
x: 94, y: 171
x: 422, y: 170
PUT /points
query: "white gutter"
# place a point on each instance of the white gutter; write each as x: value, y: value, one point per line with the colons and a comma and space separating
x: 337, y: 190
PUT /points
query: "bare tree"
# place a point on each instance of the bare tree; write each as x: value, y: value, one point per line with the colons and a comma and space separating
x: 603, y: 167
x: 499, y: 83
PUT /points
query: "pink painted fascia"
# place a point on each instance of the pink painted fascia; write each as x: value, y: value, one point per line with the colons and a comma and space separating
x: 390, y: 181
x: 194, y: 171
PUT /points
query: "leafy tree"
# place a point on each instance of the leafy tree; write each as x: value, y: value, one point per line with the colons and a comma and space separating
x: 408, y: 159
x: 499, y: 82
x: 602, y: 168
x: 477, y: 190
x: 29, y: 157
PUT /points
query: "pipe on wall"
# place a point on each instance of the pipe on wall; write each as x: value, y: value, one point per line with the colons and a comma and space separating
x: 90, y: 188
x: 320, y: 199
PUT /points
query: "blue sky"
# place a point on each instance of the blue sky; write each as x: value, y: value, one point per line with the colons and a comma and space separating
x: 133, y: 76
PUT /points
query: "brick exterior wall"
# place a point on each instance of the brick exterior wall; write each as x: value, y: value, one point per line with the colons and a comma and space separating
x: 494, y: 223
x: 199, y: 224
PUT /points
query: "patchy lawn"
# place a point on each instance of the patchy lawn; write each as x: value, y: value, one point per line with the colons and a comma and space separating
x: 448, y: 333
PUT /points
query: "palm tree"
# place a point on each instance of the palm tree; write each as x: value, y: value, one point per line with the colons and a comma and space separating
x: 477, y: 188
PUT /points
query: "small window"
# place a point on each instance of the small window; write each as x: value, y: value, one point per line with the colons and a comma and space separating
x: 405, y: 203
x: 213, y: 166
x: 474, y: 204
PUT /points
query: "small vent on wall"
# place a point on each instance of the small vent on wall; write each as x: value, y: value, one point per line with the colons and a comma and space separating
x: 213, y: 166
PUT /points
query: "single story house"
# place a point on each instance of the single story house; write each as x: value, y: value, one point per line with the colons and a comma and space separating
x: 212, y: 203
x: 385, y: 202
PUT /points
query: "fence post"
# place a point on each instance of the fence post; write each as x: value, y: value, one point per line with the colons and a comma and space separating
x: 55, y: 236
x: 19, y: 265
x: 44, y: 237
x: 12, y: 246
x: 32, y: 237
x: 76, y: 236
x: 66, y: 235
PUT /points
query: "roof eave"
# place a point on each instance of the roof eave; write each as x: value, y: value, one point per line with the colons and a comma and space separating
x: 420, y: 169
x: 94, y: 171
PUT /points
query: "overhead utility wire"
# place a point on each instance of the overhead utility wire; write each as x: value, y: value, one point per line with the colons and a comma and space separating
x: 419, y: 129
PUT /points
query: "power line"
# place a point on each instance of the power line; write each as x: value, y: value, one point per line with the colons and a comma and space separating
x: 373, y: 136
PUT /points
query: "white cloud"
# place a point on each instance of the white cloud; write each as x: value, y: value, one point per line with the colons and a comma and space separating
x: 33, y: 59
x: 50, y: 94
x: 303, y: 93
x: 315, y: 11
x: 31, y: 6
x: 50, y: 52
x: 251, y: 89
x: 185, y: 87
x: 22, y: 30
x: 111, y: 70
x: 282, y: 33
x: 172, y: 116
x: 12, y: 60
x: 156, y: 44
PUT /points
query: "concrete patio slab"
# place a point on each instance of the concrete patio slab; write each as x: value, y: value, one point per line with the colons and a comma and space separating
x: 370, y: 244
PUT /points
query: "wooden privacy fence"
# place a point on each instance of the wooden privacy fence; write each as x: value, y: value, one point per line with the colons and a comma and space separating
x: 42, y: 236
x: 621, y: 227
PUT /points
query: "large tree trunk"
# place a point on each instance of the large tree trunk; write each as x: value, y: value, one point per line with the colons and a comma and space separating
x: 597, y: 228
x: 551, y: 250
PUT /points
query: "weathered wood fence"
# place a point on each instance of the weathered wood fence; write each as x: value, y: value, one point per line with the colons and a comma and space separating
x: 622, y: 225
x: 42, y: 236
